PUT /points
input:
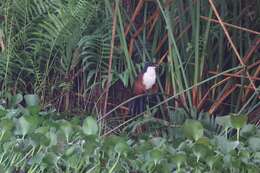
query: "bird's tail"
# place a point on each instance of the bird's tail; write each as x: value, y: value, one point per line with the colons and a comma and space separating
x: 137, y: 106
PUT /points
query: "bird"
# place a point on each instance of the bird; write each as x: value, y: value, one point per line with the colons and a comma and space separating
x: 145, y: 83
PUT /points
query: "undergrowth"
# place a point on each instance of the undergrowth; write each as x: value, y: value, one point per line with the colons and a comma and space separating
x: 40, y: 141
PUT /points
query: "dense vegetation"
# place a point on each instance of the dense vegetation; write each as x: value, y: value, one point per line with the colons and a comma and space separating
x: 37, y: 142
x: 67, y: 68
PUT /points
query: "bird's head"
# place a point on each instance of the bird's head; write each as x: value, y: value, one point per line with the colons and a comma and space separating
x: 149, y: 66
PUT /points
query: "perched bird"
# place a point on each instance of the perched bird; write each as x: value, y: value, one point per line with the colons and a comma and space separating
x: 145, y: 82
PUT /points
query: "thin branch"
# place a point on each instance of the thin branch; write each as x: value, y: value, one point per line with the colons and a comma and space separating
x: 111, y: 57
x: 221, y: 99
x: 137, y: 10
x: 236, y: 75
x: 231, y: 25
x: 231, y: 42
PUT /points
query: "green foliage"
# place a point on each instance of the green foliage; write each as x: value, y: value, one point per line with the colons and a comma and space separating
x: 193, y: 129
x: 60, y: 50
x: 90, y: 126
x: 37, y: 143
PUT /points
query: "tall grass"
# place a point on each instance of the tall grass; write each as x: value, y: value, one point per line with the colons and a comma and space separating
x: 61, y: 51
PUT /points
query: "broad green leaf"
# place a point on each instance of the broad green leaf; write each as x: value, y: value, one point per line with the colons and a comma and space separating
x: 70, y: 150
x: 252, y: 168
x: 43, y: 130
x: 257, y: 157
x: 3, y: 112
x: 52, y: 135
x: 225, y: 145
x: 122, y: 147
x: 110, y: 143
x: 193, y: 129
x: 37, y: 158
x: 6, y: 124
x: 31, y: 100
x: 156, y: 155
x: 93, y: 145
x: 2, y: 168
x: 248, y: 130
x: 90, y: 126
x: 13, y: 113
x: 203, y: 140
x: 244, y: 156
x: 28, y: 123
x: 179, y: 159
x: 66, y: 128
x: 34, y: 110
x: 177, y: 116
x: 224, y: 121
x: 254, y: 143
x: 158, y: 141
x: 73, y: 161
x: 143, y: 147
x: 50, y: 159
x: 18, y: 98
x: 6, y: 135
x: 238, y: 121
x: 39, y: 139
x: 200, y: 151
x: 212, y: 159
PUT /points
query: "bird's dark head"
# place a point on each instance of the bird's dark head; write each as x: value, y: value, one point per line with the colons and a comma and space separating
x: 149, y: 64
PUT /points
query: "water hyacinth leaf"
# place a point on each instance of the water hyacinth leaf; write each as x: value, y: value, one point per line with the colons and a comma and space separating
x: 6, y: 124
x: 50, y: 159
x: 211, y: 160
x: 244, y: 156
x: 204, y: 140
x: 254, y: 143
x: 73, y: 161
x: 111, y: 141
x: 257, y: 157
x: 177, y: 116
x: 225, y: 145
x: 37, y: 158
x: 39, y: 139
x: 156, y: 155
x: 238, y: 121
x: 91, y: 146
x: 70, y: 150
x: 90, y: 126
x: 224, y: 121
x: 158, y: 141
x: 6, y: 135
x: 193, y: 129
x: 3, y: 112
x: 34, y: 110
x: 13, y: 113
x: 143, y: 147
x: 248, y: 130
x: 18, y: 98
x: 52, y: 135
x: 179, y: 159
x: 66, y: 128
x: 122, y: 147
x: 200, y: 151
x: 31, y: 100
x: 28, y: 123
x: 2, y: 168
x: 252, y: 169
x: 43, y: 130
x: 231, y: 161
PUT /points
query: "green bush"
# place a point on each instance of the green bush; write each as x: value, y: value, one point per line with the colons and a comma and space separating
x: 35, y: 141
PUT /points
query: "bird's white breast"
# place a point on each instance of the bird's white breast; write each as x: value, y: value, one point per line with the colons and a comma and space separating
x: 149, y: 77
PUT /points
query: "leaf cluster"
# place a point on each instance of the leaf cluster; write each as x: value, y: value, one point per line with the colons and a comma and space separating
x: 38, y: 141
